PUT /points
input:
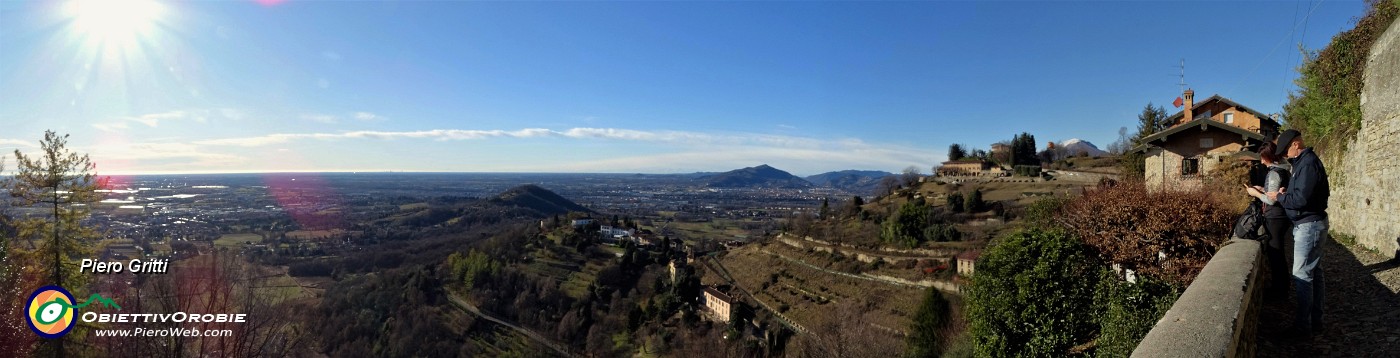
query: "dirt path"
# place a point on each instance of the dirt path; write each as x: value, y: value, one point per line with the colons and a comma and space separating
x: 1361, y: 315
x: 462, y: 303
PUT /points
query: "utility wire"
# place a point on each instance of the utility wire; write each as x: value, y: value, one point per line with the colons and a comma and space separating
x: 1280, y: 43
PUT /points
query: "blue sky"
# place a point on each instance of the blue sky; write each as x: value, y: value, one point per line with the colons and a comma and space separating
x: 655, y: 87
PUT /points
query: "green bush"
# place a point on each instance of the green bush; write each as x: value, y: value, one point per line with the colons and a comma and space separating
x: 974, y: 202
x: 906, y: 227
x: 1026, y: 170
x: 1033, y: 295
x: 955, y: 201
x: 1129, y: 311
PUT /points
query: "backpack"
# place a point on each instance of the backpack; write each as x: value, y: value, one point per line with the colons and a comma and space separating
x: 1250, y: 224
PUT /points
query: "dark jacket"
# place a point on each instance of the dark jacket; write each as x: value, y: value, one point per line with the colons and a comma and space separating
x: 1306, y: 197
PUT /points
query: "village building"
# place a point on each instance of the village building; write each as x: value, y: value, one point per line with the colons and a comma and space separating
x: 967, y: 262
x: 718, y: 304
x: 1204, y: 136
x: 965, y: 167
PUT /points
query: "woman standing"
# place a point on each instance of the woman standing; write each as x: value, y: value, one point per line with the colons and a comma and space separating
x: 1276, y: 222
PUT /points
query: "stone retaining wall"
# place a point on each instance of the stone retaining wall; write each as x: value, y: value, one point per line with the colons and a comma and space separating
x: 1366, y: 179
x: 1218, y: 314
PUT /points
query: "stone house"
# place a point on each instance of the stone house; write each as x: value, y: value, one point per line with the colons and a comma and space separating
x: 718, y: 304
x: 967, y: 262
x: 1204, y: 135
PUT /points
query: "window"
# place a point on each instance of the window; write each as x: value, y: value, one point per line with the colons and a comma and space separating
x: 1190, y: 167
x: 1229, y: 118
x: 1207, y: 142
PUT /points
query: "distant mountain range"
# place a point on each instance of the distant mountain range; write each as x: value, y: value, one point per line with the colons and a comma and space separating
x: 857, y: 181
x: 762, y: 176
x: 1074, y: 146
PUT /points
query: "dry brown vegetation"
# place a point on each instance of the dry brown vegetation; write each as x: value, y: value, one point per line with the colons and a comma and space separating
x: 1130, y: 226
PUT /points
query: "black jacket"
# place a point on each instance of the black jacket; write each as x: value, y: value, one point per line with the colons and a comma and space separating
x: 1306, y: 197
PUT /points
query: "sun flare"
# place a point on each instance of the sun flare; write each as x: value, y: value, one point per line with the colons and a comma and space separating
x: 120, y: 21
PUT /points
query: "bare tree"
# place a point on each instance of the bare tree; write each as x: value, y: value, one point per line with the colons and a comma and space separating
x: 887, y: 185
x: 15, y: 338
x: 910, y: 177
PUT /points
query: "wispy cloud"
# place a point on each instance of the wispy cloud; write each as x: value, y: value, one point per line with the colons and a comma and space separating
x: 319, y: 118
x: 330, y: 55
x: 368, y: 117
x: 16, y: 143
x: 155, y: 119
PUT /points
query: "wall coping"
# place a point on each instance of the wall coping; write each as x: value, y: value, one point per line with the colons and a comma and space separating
x: 1217, y: 314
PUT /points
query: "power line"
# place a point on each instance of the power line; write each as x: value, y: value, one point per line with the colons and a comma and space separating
x: 1280, y: 42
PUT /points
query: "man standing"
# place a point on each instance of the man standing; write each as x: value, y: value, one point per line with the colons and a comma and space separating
x: 1305, y: 201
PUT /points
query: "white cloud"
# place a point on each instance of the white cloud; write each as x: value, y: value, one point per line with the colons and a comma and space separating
x: 16, y: 143
x: 368, y: 117
x: 319, y: 118
x: 110, y: 127
x: 153, y: 119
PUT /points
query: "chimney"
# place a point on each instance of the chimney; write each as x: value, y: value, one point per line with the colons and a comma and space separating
x: 1190, y: 97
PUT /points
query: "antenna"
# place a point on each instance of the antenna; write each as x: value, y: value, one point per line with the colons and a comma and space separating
x: 1183, y: 75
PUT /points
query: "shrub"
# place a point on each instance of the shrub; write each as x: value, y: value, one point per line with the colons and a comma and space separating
x: 955, y: 202
x: 1033, y: 295
x: 1041, y: 213
x: 905, y: 227
x: 1026, y: 170
x: 1129, y: 310
x: 1130, y: 226
x: 974, y: 201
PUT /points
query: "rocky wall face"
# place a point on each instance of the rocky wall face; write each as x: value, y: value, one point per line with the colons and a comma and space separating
x: 1365, y: 180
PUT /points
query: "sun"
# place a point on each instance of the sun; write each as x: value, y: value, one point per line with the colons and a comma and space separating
x: 114, y: 22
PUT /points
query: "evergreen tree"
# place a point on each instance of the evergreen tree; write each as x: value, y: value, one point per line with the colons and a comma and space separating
x: 926, y: 333
x: 826, y: 208
x: 1023, y: 150
x: 955, y: 202
x: 905, y: 227
x: 956, y: 152
x: 974, y: 201
x: 1150, y: 121
x: 63, y: 184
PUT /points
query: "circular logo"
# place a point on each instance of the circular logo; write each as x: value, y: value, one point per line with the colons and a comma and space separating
x: 50, y: 311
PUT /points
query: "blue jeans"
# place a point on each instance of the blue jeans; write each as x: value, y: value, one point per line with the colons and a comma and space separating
x: 1307, y: 272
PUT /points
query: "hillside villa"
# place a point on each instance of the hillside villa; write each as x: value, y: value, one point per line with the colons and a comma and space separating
x: 970, y: 167
x: 1204, y: 134
x: 718, y: 304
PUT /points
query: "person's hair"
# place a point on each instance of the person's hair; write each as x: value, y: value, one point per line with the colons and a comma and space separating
x: 1266, y: 152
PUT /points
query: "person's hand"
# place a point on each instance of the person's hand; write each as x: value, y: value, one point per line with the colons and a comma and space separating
x: 1274, y: 195
x: 1252, y: 191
